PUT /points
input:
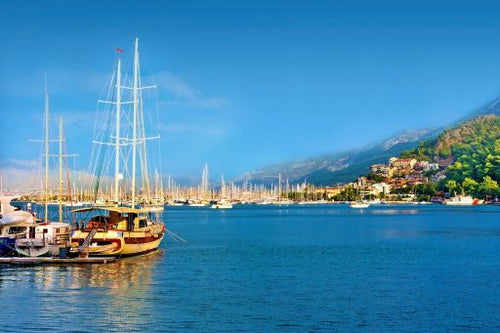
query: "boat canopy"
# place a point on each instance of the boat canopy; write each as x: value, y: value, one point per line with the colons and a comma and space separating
x: 121, y: 210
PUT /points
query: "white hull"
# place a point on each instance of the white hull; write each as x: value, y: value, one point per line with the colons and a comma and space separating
x: 225, y: 206
x: 359, y: 205
x: 43, y: 240
x: 462, y: 201
x: 35, y: 248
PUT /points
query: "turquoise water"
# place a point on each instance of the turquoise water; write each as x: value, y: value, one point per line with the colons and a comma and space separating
x: 262, y: 268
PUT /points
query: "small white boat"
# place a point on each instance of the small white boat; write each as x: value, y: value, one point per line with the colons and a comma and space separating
x: 43, y: 240
x: 222, y: 205
x: 359, y: 204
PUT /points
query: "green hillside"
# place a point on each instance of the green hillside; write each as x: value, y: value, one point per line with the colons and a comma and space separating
x: 472, y: 150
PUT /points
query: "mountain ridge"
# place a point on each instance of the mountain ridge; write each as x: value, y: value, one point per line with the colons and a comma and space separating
x: 341, y: 167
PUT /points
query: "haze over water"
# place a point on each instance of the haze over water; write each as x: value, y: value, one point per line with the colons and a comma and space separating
x: 298, y: 268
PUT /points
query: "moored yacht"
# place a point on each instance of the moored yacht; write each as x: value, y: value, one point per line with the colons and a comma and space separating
x: 359, y: 204
x: 13, y: 224
x: 116, y: 231
x: 460, y: 200
x: 222, y: 204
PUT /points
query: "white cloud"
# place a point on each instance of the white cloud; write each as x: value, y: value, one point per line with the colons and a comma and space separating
x: 178, y: 127
x: 22, y: 164
x: 184, y: 93
x: 205, y: 131
x: 175, y: 85
x: 20, y: 174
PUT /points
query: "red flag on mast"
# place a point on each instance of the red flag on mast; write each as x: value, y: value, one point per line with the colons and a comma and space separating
x: 119, y: 50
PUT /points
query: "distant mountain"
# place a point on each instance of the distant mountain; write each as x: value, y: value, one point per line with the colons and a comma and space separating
x: 343, y: 167
x: 492, y: 107
x: 340, y: 167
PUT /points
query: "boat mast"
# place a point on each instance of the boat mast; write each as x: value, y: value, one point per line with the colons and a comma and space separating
x: 135, y: 91
x: 279, y: 186
x: 46, y: 145
x: 117, y: 141
x: 60, y: 170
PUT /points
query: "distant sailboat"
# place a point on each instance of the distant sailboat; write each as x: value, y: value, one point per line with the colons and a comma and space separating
x: 360, y: 203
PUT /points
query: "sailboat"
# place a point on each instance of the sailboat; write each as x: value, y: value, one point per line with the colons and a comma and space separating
x: 158, y: 203
x: 223, y: 203
x: 359, y: 203
x: 279, y: 200
x: 121, y: 231
x: 47, y: 238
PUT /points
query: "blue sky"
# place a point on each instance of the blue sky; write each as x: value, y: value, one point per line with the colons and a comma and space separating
x: 244, y: 84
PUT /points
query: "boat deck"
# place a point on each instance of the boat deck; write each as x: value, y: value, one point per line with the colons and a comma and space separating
x: 58, y: 261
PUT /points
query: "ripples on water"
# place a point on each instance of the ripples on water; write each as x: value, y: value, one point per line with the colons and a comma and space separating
x: 280, y: 269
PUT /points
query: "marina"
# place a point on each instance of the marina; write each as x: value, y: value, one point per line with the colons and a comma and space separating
x: 243, y: 166
x: 253, y: 266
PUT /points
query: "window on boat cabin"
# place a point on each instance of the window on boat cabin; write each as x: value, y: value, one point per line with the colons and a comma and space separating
x: 130, y: 221
x: 143, y: 223
x: 16, y: 230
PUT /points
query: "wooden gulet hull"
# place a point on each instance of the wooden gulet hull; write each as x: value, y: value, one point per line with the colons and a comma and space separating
x: 127, y: 243
x: 134, y: 247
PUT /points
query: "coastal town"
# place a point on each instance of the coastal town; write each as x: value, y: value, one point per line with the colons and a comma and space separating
x: 397, y: 181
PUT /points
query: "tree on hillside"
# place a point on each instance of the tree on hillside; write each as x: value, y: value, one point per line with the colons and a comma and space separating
x: 452, y: 186
x: 469, y: 185
x: 489, y: 188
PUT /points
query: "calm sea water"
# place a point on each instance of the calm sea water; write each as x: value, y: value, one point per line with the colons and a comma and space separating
x: 262, y: 268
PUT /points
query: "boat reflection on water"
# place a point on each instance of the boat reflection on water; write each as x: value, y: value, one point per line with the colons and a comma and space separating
x: 112, y: 291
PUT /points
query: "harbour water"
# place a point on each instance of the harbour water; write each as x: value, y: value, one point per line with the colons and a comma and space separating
x: 289, y: 268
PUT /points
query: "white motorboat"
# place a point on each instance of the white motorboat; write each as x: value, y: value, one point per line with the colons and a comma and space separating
x: 222, y: 205
x: 462, y: 201
x: 359, y: 204
x: 13, y: 225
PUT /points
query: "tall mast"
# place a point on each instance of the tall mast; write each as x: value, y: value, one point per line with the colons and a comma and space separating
x: 135, y: 91
x: 60, y: 169
x: 117, y: 142
x: 46, y: 145
x: 279, y: 186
